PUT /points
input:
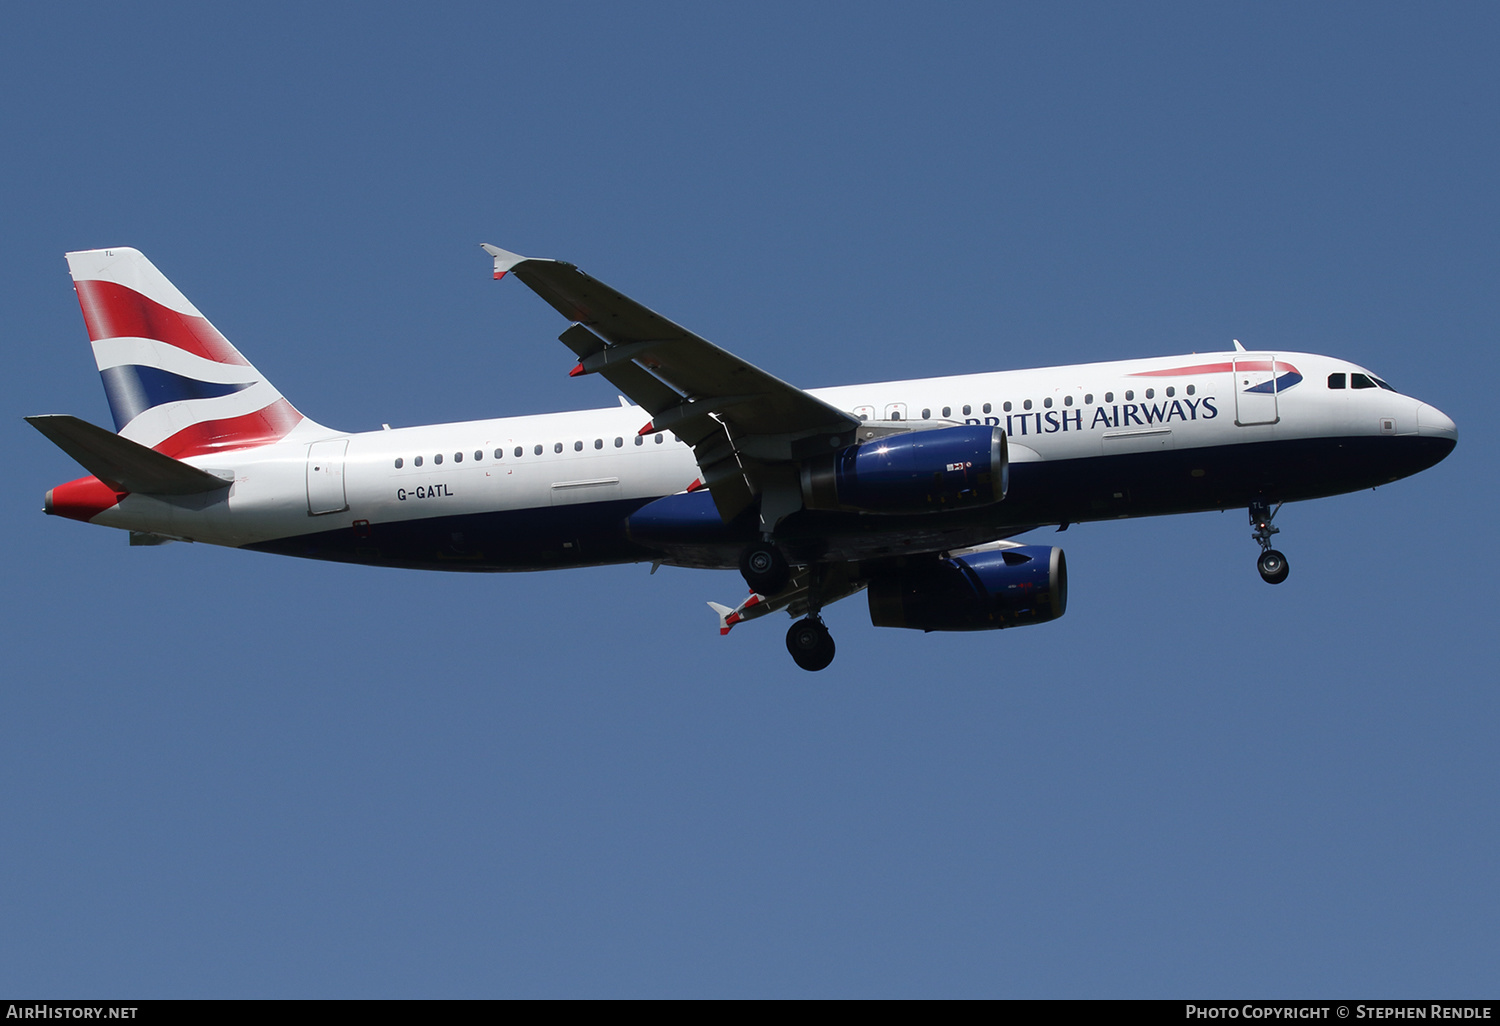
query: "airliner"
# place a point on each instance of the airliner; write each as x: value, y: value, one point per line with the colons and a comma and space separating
x: 911, y: 491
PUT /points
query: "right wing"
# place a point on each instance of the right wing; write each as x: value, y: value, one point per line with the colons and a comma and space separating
x: 837, y: 581
x: 747, y: 428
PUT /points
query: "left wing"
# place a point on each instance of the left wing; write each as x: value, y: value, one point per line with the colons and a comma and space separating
x: 747, y: 428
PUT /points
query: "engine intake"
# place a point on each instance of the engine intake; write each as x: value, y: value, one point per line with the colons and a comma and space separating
x: 915, y: 472
x: 978, y: 592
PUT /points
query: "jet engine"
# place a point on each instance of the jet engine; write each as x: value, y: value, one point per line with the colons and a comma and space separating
x: 915, y: 472
x: 981, y: 591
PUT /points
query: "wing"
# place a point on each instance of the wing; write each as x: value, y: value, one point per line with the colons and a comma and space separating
x: 747, y: 428
x: 837, y: 581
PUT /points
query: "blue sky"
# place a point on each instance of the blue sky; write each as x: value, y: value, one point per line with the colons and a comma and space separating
x: 230, y: 774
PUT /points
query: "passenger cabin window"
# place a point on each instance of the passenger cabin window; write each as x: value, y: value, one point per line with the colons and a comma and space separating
x: 1067, y: 400
x: 479, y: 454
x: 417, y: 462
x: 968, y: 409
x: 458, y: 457
x: 1336, y: 380
x: 519, y: 450
x: 658, y: 439
x: 1129, y: 394
x: 398, y: 462
x: 1171, y: 391
x: 438, y: 458
x: 1192, y: 390
x: 578, y: 446
x: 1150, y: 393
x: 538, y: 450
x: 1088, y: 400
x: 557, y: 447
x: 1361, y: 381
x: 926, y: 414
x: 619, y: 441
x: 640, y: 440
x: 987, y: 407
x: 500, y: 454
x: 1109, y: 397
x: 1006, y: 407
x: 1047, y: 402
x: 947, y: 411
x: 598, y: 443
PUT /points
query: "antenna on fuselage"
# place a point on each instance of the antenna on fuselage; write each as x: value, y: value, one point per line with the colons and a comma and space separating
x: 1238, y: 348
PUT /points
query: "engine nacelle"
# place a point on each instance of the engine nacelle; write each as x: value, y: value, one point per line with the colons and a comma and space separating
x: 978, y: 592
x: 915, y: 472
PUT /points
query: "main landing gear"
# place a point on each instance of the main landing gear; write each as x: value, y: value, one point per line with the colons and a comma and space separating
x: 1271, y: 564
x: 764, y: 568
x: 810, y: 643
x: 766, y: 571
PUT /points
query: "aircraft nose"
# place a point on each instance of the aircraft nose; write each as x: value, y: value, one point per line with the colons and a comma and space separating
x: 1434, y: 423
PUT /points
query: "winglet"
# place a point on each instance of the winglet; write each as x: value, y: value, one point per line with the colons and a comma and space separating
x: 727, y: 617
x: 504, y: 260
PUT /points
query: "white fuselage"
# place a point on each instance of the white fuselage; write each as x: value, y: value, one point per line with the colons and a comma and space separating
x: 1073, y: 413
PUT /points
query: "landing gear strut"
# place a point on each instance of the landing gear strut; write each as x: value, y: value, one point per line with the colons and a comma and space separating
x: 1271, y: 564
x: 810, y: 643
x: 764, y: 568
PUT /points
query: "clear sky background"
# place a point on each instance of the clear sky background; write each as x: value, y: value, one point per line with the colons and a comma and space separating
x: 231, y: 774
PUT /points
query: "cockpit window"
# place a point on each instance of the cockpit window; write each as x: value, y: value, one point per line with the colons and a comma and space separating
x: 1336, y: 380
x: 1361, y: 381
x: 1382, y: 384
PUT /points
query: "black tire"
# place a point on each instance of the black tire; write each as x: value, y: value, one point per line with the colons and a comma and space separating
x: 1272, y: 566
x: 764, y: 568
x: 810, y: 644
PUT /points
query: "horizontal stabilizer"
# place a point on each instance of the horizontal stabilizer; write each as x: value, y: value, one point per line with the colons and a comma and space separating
x: 122, y: 464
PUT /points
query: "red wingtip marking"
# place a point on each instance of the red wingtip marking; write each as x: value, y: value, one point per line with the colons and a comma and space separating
x: 697, y: 483
x: 576, y: 371
x: 647, y: 429
x: 499, y: 275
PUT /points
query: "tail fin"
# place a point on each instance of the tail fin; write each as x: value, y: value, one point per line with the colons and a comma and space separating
x: 174, y: 383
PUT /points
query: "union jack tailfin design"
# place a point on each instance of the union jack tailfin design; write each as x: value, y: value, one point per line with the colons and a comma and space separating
x: 174, y: 383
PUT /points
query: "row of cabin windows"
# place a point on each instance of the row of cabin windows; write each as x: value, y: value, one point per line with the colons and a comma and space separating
x: 1357, y: 380
x: 520, y: 450
x: 1026, y: 404
x: 1334, y: 381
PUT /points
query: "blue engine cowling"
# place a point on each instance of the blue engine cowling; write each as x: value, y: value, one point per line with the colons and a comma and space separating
x: 915, y: 472
x: 979, y: 592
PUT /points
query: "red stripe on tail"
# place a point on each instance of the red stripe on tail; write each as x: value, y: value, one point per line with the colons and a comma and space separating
x: 114, y: 311
x: 260, y: 428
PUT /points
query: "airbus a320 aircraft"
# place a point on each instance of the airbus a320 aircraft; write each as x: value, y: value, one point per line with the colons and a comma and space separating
x: 908, y: 490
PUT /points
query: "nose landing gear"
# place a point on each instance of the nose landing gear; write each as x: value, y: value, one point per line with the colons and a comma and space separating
x: 810, y: 643
x: 1271, y: 564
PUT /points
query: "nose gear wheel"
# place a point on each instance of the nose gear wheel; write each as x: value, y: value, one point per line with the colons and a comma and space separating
x: 1271, y: 564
